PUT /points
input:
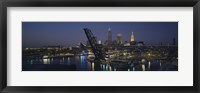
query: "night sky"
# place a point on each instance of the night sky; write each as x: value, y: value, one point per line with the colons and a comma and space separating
x: 38, y: 34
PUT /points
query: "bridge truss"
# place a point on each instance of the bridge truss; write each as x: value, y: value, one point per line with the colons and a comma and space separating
x: 96, y: 48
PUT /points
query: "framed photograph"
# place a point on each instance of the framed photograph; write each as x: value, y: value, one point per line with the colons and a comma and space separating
x: 98, y: 46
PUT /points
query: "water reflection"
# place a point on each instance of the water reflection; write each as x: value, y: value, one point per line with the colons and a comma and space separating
x: 160, y: 64
x: 143, y: 67
x: 149, y: 65
x: 110, y: 68
x: 92, y: 66
x: 46, y: 61
x: 133, y: 68
x: 31, y: 61
x: 82, y: 60
x: 68, y: 61
x: 81, y: 63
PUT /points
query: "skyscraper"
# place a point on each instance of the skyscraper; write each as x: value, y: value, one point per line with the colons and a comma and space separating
x: 132, y: 37
x: 119, y: 39
x: 109, y: 36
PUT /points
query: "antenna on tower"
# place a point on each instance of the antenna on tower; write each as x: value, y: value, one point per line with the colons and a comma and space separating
x: 109, y: 29
x: 132, y: 37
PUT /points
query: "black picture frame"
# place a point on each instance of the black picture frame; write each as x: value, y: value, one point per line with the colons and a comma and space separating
x: 100, y: 3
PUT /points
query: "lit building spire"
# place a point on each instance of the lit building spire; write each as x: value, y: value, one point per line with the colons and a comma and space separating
x: 109, y: 29
x: 109, y: 36
x: 132, y: 37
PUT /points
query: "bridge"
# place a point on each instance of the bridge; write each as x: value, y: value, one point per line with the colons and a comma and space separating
x: 96, y: 48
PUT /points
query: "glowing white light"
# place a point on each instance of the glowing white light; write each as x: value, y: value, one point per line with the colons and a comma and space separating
x: 92, y: 66
x: 143, y: 67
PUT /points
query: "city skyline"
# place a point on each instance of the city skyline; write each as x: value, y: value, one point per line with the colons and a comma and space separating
x: 38, y: 34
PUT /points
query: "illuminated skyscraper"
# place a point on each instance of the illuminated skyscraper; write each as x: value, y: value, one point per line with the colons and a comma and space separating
x: 132, y: 37
x: 109, y: 36
x: 119, y: 39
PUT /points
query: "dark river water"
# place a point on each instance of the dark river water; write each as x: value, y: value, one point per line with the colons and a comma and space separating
x: 80, y: 63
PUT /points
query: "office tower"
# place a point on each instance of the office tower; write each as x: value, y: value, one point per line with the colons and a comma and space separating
x: 109, y: 36
x: 132, y: 37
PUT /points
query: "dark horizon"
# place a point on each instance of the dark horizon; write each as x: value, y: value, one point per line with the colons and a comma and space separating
x: 39, y: 34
